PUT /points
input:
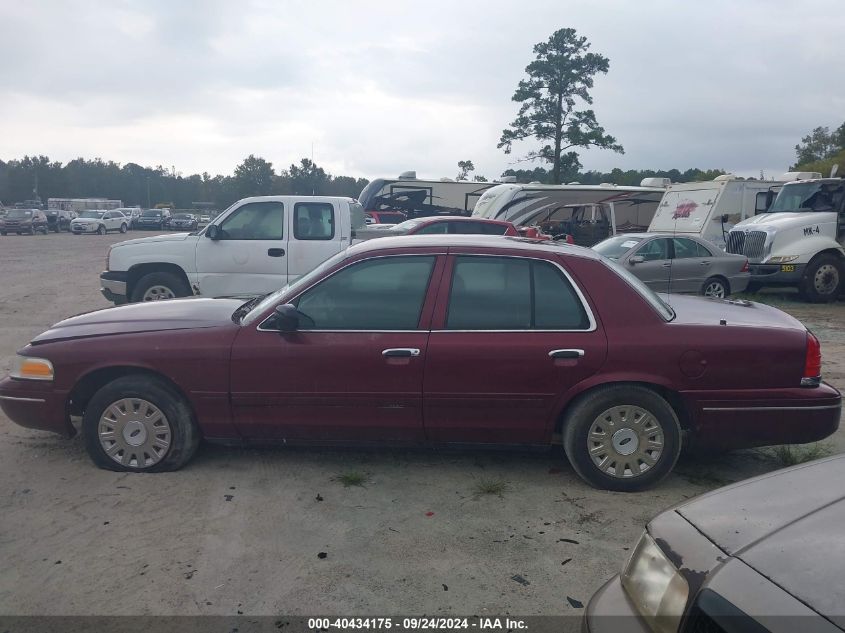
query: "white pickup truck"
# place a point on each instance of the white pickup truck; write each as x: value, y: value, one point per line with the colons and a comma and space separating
x: 254, y: 247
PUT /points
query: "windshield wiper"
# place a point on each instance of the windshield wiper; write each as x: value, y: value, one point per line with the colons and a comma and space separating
x: 244, y: 309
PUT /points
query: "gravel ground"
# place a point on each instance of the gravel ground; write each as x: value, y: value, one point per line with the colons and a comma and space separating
x: 244, y: 531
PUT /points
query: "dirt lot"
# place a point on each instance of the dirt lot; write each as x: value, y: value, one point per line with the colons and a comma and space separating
x: 240, y: 530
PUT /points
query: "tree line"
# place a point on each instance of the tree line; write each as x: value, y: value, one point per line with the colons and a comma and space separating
x: 38, y: 176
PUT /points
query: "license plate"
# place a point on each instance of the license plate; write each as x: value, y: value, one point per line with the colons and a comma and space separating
x: 787, y: 268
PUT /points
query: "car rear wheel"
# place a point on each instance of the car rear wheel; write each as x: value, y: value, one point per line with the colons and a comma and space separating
x: 123, y: 228
x: 823, y: 279
x: 159, y: 286
x: 622, y: 437
x: 101, y: 230
x: 139, y: 424
x: 715, y: 287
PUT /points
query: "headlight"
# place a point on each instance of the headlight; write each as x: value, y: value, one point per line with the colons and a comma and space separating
x: 29, y: 368
x: 782, y: 259
x: 655, y: 587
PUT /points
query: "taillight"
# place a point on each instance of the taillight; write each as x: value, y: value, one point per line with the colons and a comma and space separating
x: 812, y: 362
x: 744, y: 267
x: 569, y: 239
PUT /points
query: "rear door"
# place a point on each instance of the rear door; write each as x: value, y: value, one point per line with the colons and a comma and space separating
x: 250, y: 256
x: 510, y: 335
x: 317, y: 233
x: 691, y: 264
x: 656, y: 266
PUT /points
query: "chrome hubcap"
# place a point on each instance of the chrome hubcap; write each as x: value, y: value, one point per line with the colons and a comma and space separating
x: 625, y: 441
x: 157, y: 293
x: 134, y: 432
x: 715, y: 289
x: 826, y: 279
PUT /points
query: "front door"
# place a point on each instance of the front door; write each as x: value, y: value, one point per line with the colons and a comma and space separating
x: 353, y: 371
x: 250, y: 256
x: 656, y: 264
x: 510, y: 336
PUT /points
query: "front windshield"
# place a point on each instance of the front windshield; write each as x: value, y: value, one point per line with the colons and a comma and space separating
x: 615, y: 247
x: 151, y: 214
x: 91, y: 215
x: 183, y: 216
x: 808, y: 196
x: 405, y: 227
x: 20, y: 213
x: 274, y: 297
x: 662, y: 308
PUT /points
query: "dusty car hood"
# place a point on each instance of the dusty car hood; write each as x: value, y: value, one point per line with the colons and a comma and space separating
x: 176, y: 314
x: 788, y: 526
x: 692, y: 310
x: 168, y: 237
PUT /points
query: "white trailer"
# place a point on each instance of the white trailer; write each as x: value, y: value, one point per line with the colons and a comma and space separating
x: 710, y: 209
x: 417, y: 197
x: 83, y: 204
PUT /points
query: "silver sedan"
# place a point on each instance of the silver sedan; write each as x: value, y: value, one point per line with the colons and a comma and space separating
x: 679, y: 264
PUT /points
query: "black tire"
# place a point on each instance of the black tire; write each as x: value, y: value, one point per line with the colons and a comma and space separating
x: 710, y: 285
x: 587, y: 410
x: 101, y: 230
x: 167, y: 280
x: 184, y: 434
x: 123, y: 228
x: 823, y: 279
x: 753, y: 287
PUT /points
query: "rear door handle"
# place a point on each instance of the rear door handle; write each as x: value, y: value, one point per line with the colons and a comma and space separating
x: 566, y: 353
x: 276, y: 252
x: 704, y: 264
x: 667, y: 264
x: 395, y: 352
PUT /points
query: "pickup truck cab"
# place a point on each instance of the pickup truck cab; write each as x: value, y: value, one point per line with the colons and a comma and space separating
x: 254, y: 247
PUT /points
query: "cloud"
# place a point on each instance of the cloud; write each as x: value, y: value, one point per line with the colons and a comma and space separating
x: 380, y: 87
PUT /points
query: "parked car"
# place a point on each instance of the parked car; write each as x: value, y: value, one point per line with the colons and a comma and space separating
x: 20, y: 221
x: 182, y: 221
x: 487, y: 339
x: 205, y: 219
x: 384, y: 217
x: 99, y: 221
x: 445, y: 224
x: 133, y: 216
x: 254, y: 247
x: 761, y: 555
x: 158, y: 219
x: 59, y: 219
x: 684, y: 264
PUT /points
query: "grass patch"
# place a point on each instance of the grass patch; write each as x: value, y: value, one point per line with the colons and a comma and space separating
x: 352, y: 478
x: 485, y: 486
x: 792, y: 454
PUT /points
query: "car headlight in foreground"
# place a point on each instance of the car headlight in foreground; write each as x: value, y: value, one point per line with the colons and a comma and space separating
x: 29, y: 368
x: 655, y: 586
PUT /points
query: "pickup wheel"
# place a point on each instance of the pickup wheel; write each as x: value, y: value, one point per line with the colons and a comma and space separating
x: 139, y: 424
x: 622, y: 437
x: 159, y: 286
x: 823, y: 279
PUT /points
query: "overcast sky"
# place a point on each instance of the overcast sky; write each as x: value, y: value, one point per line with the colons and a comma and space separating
x: 381, y: 87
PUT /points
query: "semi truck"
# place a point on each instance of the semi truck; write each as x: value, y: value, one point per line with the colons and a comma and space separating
x: 798, y: 241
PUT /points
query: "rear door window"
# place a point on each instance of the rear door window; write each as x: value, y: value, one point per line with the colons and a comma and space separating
x: 313, y: 221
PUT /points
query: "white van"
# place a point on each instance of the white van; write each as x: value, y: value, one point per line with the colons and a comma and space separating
x: 710, y: 209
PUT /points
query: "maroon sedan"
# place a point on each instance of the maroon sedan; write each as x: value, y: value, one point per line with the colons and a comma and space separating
x: 441, y: 339
x: 453, y: 225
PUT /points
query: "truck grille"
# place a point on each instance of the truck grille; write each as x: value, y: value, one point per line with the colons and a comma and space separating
x: 751, y: 244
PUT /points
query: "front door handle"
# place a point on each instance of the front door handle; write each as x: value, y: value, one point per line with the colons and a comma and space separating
x: 704, y: 264
x: 276, y: 252
x: 395, y: 352
x: 667, y: 264
x: 566, y: 353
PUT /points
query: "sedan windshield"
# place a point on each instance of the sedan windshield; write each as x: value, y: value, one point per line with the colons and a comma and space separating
x: 151, y: 214
x: 92, y: 215
x: 183, y: 216
x: 662, y: 308
x: 274, y: 297
x: 615, y: 247
x: 405, y: 227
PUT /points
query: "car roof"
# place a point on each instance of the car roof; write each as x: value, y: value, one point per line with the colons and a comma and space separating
x: 501, y: 243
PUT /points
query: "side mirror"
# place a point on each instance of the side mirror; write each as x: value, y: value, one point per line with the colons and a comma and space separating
x: 636, y: 259
x: 287, y: 317
x: 213, y: 232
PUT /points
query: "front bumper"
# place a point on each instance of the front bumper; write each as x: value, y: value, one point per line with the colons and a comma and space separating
x: 87, y: 228
x: 776, y: 274
x: 36, y: 405
x: 610, y: 610
x: 113, y: 286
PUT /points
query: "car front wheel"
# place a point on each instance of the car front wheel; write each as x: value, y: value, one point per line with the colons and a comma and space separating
x: 123, y: 228
x: 101, y: 230
x: 622, y: 437
x: 139, y: 424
